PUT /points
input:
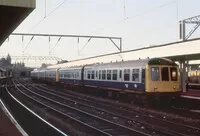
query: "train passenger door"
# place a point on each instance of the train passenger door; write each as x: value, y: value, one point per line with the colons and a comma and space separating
x: 57, y: 75
x: 82, y: 75
x: 120, y: 75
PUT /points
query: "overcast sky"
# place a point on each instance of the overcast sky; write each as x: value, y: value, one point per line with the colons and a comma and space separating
x: 139, y: 22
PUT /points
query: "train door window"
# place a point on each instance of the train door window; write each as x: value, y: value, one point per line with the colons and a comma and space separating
x: 77, y: 74
x: 108, y: 74
x: 174, y: 74
x: 155, y: 76
x: 92, y: 77
x: 88, y: 74
x: 103, y: 74
x: 143, y: 75
x: 74, y: 74
x: 96, y: 74
x: 99, y: 74
x: 165, y: 74
x: 135, y: 75
x: 126, y: 74
x: 114, y: 75
x: 120, y: 74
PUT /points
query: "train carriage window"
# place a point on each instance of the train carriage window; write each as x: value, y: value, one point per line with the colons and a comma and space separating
x: 103, y: 74
x: 135, y: 75
x: 126, y: 74
x: 77, y: 74
x: 108, y: 74
x: 114, y: 75
x: 165, y: 74
x: 99, y: 74
x: 155, y: 74
x: 92, y: 77
x: 173, y: 73
x: 88, y: 74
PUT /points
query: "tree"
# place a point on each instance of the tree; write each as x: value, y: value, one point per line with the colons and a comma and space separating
x: 3, y: 60
x: 8, y: 59
x: 44, y: 65
x: 63, y: 61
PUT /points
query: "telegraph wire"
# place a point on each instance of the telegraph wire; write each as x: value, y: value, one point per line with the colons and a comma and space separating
x: 132, y: 17
x: 47, y: 15
x: 152, y: 10
x: 125, y: 10
x: 55, y: 45
x: 137, y: 15
x: 85, y: 44
x: 28, y: 43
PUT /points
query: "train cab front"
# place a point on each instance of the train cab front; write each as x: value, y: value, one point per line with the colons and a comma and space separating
x: 162, y: 78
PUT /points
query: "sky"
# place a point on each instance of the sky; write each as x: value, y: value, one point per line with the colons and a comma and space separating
x: 139, y: 23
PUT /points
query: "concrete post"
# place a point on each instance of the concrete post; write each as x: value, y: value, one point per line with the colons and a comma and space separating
x: 183, y: 75
x: 187, y: 69
x: 184, y: 79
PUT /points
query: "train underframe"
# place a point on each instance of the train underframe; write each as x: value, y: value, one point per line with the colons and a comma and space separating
x: 129, y: 96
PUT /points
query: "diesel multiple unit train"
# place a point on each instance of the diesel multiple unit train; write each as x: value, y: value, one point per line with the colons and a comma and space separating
x: 157, y: 76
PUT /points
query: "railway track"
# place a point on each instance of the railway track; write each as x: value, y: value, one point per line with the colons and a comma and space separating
x: 100, y: 125
x: 130, y: 119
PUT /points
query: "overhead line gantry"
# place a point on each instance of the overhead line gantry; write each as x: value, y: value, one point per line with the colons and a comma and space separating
x: 182, y: 24
x: 119, y: 47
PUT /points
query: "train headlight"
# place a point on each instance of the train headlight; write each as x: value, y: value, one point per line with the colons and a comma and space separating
x: 155, y: 88
x: 174, y: 87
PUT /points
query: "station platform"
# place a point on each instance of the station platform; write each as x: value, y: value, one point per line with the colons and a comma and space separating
x: 191, y: 94
x: 8, y: 125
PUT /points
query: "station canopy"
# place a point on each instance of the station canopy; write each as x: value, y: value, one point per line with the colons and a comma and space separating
x: 12, y: 13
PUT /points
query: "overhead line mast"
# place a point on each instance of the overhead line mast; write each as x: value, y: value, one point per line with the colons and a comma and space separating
x: 182, y: 27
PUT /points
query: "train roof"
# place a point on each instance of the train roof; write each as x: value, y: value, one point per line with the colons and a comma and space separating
x: 132, y: 63
x: 138, y: 63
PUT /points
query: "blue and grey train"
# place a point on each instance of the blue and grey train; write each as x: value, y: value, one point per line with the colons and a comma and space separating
x: 147, y: 76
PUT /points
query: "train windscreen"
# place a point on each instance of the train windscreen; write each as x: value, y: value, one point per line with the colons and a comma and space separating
x: 174, y: 74
x: 165, y: 73
x: 155, y: 76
